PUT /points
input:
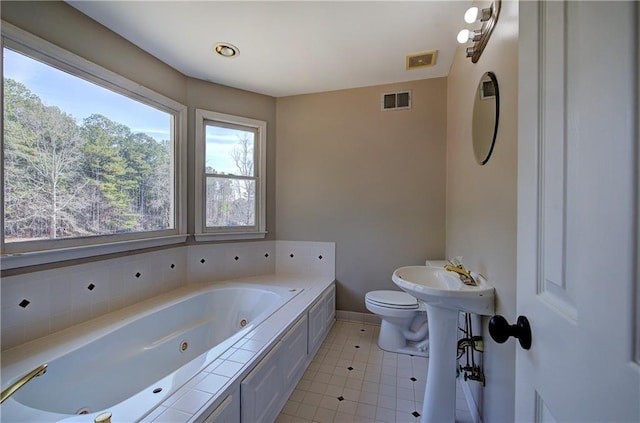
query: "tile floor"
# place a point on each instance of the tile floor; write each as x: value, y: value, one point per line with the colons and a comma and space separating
x: 352, y: 380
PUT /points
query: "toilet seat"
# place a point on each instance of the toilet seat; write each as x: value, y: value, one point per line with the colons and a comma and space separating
x: 392, y: 299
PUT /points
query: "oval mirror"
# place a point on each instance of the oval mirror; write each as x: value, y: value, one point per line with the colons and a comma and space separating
x: 486, y: 109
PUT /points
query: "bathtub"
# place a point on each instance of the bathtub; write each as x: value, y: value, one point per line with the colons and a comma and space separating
x: 129, y: 361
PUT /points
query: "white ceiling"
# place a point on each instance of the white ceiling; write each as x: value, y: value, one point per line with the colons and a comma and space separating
x: 289, y: 47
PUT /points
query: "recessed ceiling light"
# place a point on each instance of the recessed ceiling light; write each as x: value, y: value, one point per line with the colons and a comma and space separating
x: 227, y: 50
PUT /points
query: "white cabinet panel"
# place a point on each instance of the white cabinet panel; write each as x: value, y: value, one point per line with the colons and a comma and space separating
x: 316, y: 326
x: 228, y: 411
x: 294, y: 353
x: 329, y: 304
x: 262, y: 389
x: 321, y: 317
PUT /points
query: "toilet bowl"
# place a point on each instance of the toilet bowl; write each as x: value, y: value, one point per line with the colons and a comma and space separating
x: 404, y: 326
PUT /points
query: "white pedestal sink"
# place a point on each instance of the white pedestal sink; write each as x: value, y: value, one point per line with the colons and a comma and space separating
x: 445, y: 296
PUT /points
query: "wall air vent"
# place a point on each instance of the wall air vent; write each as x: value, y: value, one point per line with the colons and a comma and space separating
x: 396, y: 101
x: 421, y: 60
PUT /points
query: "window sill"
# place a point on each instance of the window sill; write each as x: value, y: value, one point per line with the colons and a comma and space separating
x: 230, y: 236
x: 14, y: 261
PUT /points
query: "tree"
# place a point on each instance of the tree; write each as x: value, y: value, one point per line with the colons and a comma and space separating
x: 244, y: 199
x: 64, y: 180
x: 43, y: 184
x: 107, y: 170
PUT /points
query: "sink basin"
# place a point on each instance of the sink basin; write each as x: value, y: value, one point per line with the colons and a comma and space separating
x: 442, y: 288
x: 445, y: 296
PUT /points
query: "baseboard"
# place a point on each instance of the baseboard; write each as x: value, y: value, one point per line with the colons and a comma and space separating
x: 354, y: 316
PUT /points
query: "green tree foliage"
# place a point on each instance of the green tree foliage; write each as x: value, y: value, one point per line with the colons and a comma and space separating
x: 65, y: 180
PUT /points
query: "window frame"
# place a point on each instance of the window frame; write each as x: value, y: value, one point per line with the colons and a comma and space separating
x: 202, y: 232
x: 27, y: 253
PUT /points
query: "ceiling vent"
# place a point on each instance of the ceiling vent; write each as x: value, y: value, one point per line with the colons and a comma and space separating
x: 421, y: 60
x: 400, y: 100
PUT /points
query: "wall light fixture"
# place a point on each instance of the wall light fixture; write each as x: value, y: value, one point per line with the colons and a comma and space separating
x: 479, y: 37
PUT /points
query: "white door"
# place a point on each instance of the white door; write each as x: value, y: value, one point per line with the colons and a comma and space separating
x: 577, y: 212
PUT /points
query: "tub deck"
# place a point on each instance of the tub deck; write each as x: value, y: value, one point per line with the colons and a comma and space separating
x: 230, y: 363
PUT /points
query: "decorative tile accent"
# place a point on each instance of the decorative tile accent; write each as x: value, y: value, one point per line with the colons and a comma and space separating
x: 319, y: 257
x: 416, y: 414
x: 340, y: 398
x: 357, y: 346
x: 173, y: 265
x: 202, y: 261
x: 236, y: 258
x: 138, y: 274
x: 413, y: 379
x: 291, y: 255
x: 91, y: 287
x: 266, y: 255
x: 349, y: 368
x: 24, y: 303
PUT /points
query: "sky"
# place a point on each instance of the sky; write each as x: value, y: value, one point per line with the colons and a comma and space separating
x: 81, y: 99
x: 220, y: 144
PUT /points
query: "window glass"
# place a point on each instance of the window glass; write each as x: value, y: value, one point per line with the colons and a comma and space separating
x: 231, y: 194
x: 231, y: 151
x: 81, y: 160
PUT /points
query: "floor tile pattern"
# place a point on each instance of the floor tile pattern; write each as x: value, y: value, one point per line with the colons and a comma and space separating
x: 352, y: 380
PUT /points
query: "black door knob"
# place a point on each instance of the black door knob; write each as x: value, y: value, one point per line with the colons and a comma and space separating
x: 500, y: 330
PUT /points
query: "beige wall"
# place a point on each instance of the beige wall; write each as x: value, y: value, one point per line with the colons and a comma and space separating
x: 481, y: 200
x: 64, y: 26
x: 371, y: 181
x: 222, y: 99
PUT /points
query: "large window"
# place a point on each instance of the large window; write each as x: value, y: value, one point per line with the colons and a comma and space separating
x: 88, y: 157
x: 230, y: 179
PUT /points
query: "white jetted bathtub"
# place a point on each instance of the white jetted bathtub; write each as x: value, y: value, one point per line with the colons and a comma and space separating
x: 129, y: 361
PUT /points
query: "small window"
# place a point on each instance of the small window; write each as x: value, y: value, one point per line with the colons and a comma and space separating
x: 231, y: 156
x: 88, y: 157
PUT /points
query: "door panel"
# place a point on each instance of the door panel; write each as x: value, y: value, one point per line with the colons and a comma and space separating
x: 577, y: 220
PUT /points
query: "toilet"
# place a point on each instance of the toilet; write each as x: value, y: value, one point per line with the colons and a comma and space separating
x: 404, y: 326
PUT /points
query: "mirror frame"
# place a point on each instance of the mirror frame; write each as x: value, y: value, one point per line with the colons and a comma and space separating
x: 493, y: 78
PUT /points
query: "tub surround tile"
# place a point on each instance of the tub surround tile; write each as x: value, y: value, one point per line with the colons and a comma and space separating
x: 251, y: 345
x: 154, y: 414
x: 305, y: 258
x: 216, y: 262
x: 228, y: 368
x: 241, y: 356
x: 171, y: 415
x: 60, y: 298
x: 191, y: 402
x: 212, y: 383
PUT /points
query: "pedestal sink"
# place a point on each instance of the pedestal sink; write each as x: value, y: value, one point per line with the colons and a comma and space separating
x: 445, y: 296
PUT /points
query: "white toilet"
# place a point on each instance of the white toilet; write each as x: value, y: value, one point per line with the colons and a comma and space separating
x: 404, y: 326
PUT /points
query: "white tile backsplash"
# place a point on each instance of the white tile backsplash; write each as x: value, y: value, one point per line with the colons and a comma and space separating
x: 309, y: 258
x: 216, y: 262
x: 60, y: 298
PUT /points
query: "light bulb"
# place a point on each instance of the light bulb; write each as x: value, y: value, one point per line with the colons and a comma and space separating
x: 463, y: 36
x: 471, y: 15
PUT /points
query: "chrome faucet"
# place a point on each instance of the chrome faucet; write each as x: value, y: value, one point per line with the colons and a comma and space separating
x: 465, y: 275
